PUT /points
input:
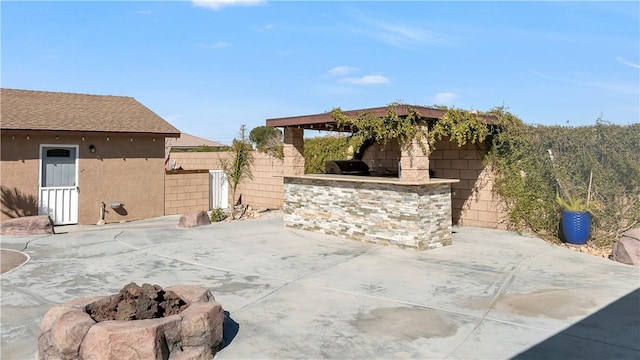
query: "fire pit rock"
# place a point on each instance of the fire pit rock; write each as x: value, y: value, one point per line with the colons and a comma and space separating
x: 191, y: 329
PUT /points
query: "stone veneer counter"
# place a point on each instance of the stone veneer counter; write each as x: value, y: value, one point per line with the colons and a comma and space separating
x: 412, y: 214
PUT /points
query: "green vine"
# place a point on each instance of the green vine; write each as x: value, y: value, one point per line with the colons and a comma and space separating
x: 367, y: 126
x: 458, y: 125
x: 535, y: 164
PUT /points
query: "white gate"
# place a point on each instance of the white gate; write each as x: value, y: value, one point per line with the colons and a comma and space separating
x: 219, y: 190
x: 58, y: 195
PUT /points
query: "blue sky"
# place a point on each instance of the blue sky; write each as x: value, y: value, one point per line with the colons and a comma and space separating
x: 209, y: 67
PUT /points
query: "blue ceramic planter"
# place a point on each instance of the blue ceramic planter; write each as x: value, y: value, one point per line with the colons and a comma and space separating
x: 576, y: 226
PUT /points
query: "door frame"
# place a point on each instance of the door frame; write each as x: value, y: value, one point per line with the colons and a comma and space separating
x: 77, y: 173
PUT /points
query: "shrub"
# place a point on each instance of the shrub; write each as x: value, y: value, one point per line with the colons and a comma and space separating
x: 535, y: 164
x: 320, y: 149
x: 218, y: 215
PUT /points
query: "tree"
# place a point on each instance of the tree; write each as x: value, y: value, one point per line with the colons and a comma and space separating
x: 268, y: 140
x: 238, y: 168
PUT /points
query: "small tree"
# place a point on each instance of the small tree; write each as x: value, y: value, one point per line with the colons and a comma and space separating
x: 268, y: 140
x: 238, y: 168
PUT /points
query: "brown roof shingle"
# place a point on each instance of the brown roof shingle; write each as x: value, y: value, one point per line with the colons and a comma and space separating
x: 190, y: 141
x: 56, y: 111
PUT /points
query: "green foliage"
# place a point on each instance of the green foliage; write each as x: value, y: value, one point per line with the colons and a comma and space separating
x: 217, y: 215
x: 320, y: 149
x: 367, y: 126
x: 458, y: 125
x: 268, y: 140
x: 238, y: 168
x: 536, y: 165
x: 576, y: 204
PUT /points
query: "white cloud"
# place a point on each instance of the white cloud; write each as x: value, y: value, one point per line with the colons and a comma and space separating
x: 219, y: 4
x: 267, y: 27
x: 218, y: 45
x: 444, y: 98
x: 342, y: 70
x: 366, y: 80
x: 403, y: 36
x: 625, y: 62
x: 621, y: 87
x: 400, y: 35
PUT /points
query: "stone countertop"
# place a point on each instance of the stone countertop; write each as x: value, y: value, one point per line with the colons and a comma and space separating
x: 373, y: 179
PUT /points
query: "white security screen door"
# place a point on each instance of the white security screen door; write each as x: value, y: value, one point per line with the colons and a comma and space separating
x: 59, y: 183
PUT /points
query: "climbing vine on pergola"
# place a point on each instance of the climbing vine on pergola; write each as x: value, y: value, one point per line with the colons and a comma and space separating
x: 457, y: 125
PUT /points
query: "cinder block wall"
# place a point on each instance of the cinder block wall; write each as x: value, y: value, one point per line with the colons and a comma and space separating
x: 378, y: 157
x: 266, y: 188
x: 473, y: 200
x: 186, y: 191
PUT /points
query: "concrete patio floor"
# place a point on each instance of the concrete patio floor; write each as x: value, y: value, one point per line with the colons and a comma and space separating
x: 295, y: 294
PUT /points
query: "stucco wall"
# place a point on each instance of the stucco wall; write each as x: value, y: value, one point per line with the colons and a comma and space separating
x: 129, y: 170
x: 266, y: 188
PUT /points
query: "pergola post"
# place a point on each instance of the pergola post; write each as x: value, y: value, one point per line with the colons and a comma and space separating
x: 414, y: 163
x: 293, y: 151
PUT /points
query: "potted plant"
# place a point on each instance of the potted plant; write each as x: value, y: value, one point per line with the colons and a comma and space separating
x: 575, y: 219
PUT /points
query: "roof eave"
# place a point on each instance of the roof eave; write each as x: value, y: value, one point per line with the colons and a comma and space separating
x: 85, y: 133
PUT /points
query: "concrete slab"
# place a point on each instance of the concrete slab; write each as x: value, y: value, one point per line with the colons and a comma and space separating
x: 297, y: 294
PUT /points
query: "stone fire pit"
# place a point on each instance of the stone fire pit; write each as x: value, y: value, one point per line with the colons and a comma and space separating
x: 191, y: 330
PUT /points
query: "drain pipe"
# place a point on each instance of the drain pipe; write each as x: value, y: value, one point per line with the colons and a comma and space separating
x: 102, y: 211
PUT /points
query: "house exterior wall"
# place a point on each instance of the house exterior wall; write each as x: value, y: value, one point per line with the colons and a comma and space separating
x: 266, y: 188
x: 129, y: 170
x: 186, y: 191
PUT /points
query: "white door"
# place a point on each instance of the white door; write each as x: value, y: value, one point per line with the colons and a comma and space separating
x: 59, y: 183
x: 219, y: 193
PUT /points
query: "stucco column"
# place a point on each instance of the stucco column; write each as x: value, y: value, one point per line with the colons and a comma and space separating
x: 414, y: 163
x: 293, y: 152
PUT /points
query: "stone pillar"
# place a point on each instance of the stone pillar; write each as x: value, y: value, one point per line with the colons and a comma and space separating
x: 414, y: 163
x: 293, y: 152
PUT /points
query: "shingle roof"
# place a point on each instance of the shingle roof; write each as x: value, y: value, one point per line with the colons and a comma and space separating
x: 191, y: 141
x: 42, y: 110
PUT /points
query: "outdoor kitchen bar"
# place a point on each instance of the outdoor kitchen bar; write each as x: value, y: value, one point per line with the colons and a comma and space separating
x: 409, y: 210
x: 411, y: 214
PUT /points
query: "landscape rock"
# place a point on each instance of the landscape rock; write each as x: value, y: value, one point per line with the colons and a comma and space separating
x: 627, y: 249
x: 124, y: 340
x: 190, y: 293
x: 193, y: 353
x: 68, y: 332
x: 202, y: 324
x: 135, y: 302
x: 27, y: 225
x: 193, y: 219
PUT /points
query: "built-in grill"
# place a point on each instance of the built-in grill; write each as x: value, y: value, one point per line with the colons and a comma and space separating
x: 346, y: 167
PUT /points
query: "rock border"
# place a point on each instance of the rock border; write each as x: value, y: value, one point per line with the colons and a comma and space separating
x: 68, y: 332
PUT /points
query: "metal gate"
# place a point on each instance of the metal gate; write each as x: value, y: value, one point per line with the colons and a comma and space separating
x: 219, y: 190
